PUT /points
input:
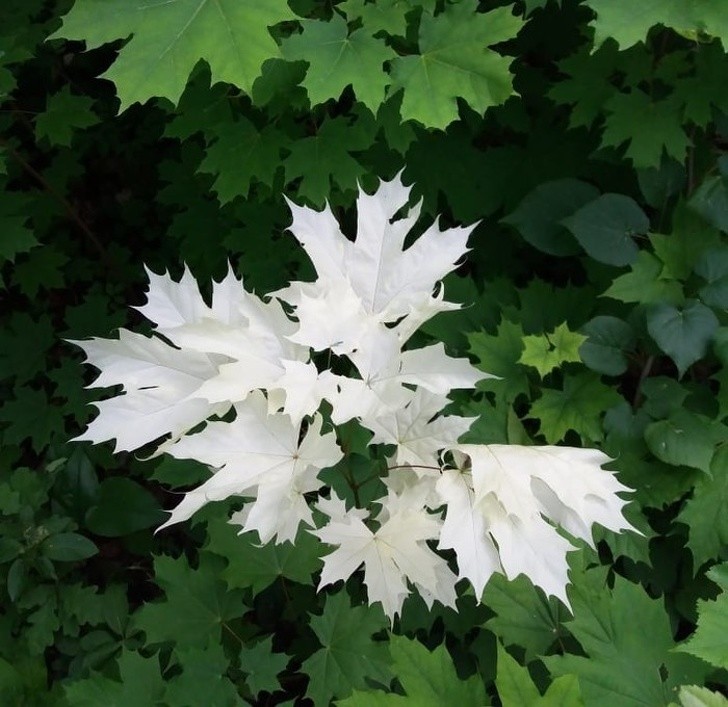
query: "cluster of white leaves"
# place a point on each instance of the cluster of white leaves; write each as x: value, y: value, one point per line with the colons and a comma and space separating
x: 499, y: 508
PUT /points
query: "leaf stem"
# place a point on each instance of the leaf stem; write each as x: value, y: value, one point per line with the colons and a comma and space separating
x: 637, y: 399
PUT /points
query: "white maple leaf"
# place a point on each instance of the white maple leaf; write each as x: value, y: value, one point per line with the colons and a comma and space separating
x: 374, y: 280
x: 499, y: 505
x: 257, y: 454
x: 161, y: 389
x: 394, y: 553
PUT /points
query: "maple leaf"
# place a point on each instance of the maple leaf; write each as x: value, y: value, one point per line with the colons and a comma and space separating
x: 373, y: 281
x: 455, y: 62
x: 169, y: 38
x: 258, y: 452
x: 338, y: 59
x: 497, y: 504
x: 391, y: 555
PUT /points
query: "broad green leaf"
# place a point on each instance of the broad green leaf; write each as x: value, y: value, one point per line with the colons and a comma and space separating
x: 250, y: 565
x: 579, y: 407
x: 30, y: 415
x: 682, y: 250
x: 428, y: 677
x: 262, y: 666
x: 643, y: 283
x: 383, y: 16
x: 338, y: 59
x: 607, y: 340
x: 455, y: 62
x: 684, y: 439
x: 348, y: 655
x: 196, y: 603
x: 704, y: 512
x: 169, y: 38
x: 701, y: 91
x: 551, y: 350
x: 713, y: 267
x: 65, y: 113
x: 683, y: 334
x: 606, y: 226
x: 696, y: 696
x: 121, y: 507
x: 539, y: 216
x: 621, y: 668
x: 710, y: 200
x: 628, y: 23
x: 649, y: 127
x: 709, y: 640
x: 514, y: 684
x: 68, y: 547
x: 524, y: 615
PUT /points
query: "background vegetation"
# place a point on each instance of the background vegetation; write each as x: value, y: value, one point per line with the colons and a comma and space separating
x: 588, y: 138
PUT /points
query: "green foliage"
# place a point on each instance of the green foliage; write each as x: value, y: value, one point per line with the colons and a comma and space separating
x: 586, y: 137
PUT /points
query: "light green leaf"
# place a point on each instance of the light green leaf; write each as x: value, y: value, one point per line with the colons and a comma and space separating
x: 644, y: 284
x: 428, y: 677
x: 169, y: 38
x: 606, y: 226
x: 455, y: 62
x: 338, y: 59
x: 515, y: 687
x: 704, y: 512
x: 709, y: 640
x: 628, y: 23
x: 696, y: 696
x: 683, y: 334
x: 551, y: 350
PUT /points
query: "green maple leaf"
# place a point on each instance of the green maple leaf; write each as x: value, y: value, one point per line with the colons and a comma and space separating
x: 64, y: 114
x: 588, y: 86
x: 31, y: 415
x: 516, y: 688
x: 203, y: 680
x: 524, y: 615
x: 169, y: 39
x: 500, y: 354
x: 579, y: 407
x: 388, y: 16
x: 629, y: 23
x: 327, y: 157
x: 704, y: 90
x: 141, y: 685
x: 704, y: 513
x: 262, y: 666
x: 650, y: 127
x: 240, y: 154
x: 338, y: 59
x: 347, y: 655
x: 428, y: 677
x: 644, y: 284
x: 250, y: 565
x: 621, y: 667
x: 708, y: 642
x: 549, y: 351
x: 455, y: 62
x: 197, y: 603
